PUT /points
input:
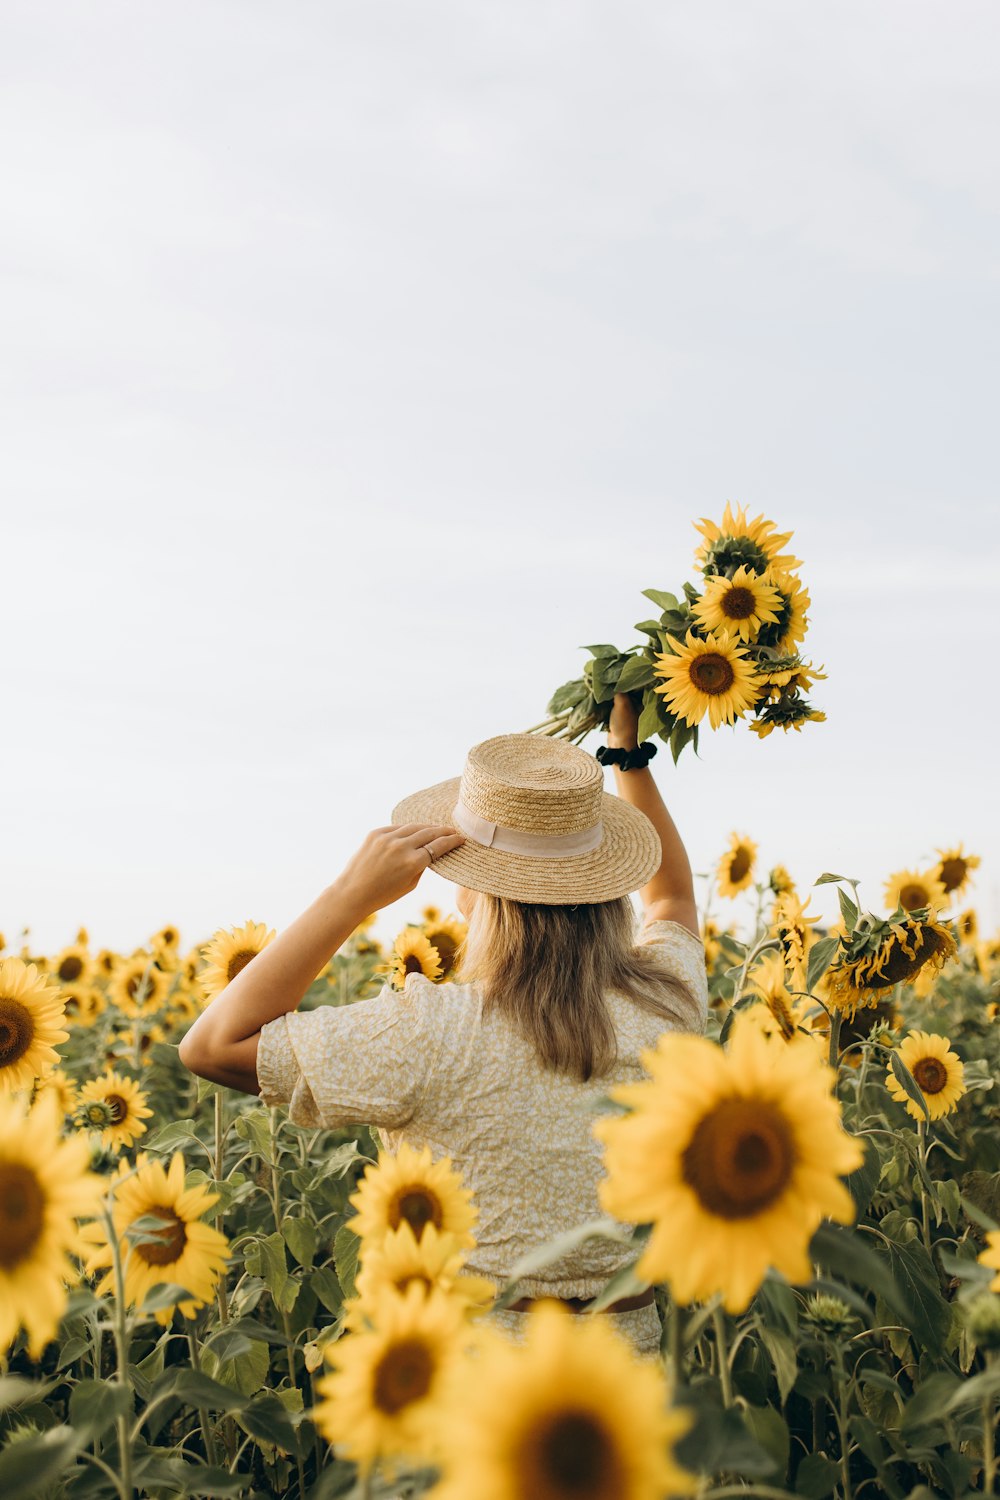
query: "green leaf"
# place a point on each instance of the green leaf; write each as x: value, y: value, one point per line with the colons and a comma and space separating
x: 638, y: 672
x: 624, y: 1283
x: 649, y: 719
x: 301, y: 1237
x: 245, y: 1373
x: 95, y: 1404
x: 981, y: 1195
x: 177, y: 1134
x: 816, y: 1476
x: 601, y: 652
x: 267, y: 1259
x: 862, y: 1182
x: 649, y: 627
x: 829, y: 879
x: 908, y: 1082
x: 15, y: 1390
x: 325, y: 1284
x: 866, y: 1435
x: 196, y: 1388
x: 266, y: 1420
x: 545, y: 1255
x: 771, y: 1431
x: 925, y: 1407
x: 781, y: 1348
x: 719, y: 1439
x: 844, y: 1252
x: 929, y: 1316
x: 163, y: 1295
x: 228, y: 1343
x: 34, y: 1463
x: 254, y: 1127
x: 820, y: 958
x: 568, y: 696
x: 346, y: 1245
x: 660, y: 599
x: 848, y: 910
x: 680, y: 735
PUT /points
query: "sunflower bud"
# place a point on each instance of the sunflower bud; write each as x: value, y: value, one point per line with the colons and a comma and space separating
x: 829, y: 1314
x: 982, y: 1319
x: 96, y: 1114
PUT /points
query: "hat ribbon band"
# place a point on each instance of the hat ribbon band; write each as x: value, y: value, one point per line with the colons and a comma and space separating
x: 518, y: 841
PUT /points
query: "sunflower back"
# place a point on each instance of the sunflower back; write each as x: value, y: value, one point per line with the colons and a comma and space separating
x: 550, y: 969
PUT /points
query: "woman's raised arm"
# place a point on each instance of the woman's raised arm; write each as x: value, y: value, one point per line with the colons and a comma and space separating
x: 669, y: 896
x: 222, y: 1043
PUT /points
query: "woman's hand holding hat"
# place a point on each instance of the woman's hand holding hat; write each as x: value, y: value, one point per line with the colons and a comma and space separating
x: 392, y: 860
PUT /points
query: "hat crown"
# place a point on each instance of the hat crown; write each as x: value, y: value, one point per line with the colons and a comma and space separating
x: 532, y: 783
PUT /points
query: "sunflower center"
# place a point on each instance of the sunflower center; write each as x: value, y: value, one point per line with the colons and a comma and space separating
x: 16, y: 1030
x: 169, y: 1243
x: 711, y: 673
x: 139, y: 987
x: 238, y: 962
x: 22, y: 1213
x: 417, y: 1206
x: 913, y: 895
x: 117, y: 1106
x: 931, y: 1074
x: 571, y: 1456
x: 71, y: 968
x: 403, y: 1375
x: 740, y: 1158
x: 951, y: 873
x: 738, y: 603
x: 898, y: 966
x: 740, y: 863
x: 412, y: 964
x: 408, y: 1278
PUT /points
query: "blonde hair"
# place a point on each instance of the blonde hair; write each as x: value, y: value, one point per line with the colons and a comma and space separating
x: 549, y: 970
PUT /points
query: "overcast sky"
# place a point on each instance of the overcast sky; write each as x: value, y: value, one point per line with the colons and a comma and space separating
x: 360, y: 362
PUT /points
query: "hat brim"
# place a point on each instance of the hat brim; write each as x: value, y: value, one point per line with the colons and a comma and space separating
x: 626, y: 858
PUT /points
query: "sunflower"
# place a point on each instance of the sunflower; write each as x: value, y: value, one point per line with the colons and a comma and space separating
x: 711, y: 936
x: 44, y: 1187
x: 167, y: 937
x: 412, y: 953
x: 446, y: 935
x: 228, y: 954
x: 116, y: 1106
x: 786, y: 713
x: 755, y: 544
x: 710, y: 676
x: 990, y: 1257
x: 887, y: 954
x: 911, y: 890
x: 739, y: 605
x: 736, y: 867
x: 31, y: 1016
x: 793, y: 927
x: 410, y: 1187
x: 780, y: 881
x: 73, y: 965
x: 124, y: 1044
x: 954, y: 869
x: 788, y: 672
x: 184, y: 1252
x: 787, y: 632
x: 734, y: 1157
x: 183, y: 1007
x: 967, y: 926
x: 399, y: 1260
x: 138, y: 987
x: 431, y: 914
x: 84, y: 1003
x: 106, y: 962
x: 571, y: 1414
x: 382, y: 1399
x: 767, y: 979
x: 938, y: 1073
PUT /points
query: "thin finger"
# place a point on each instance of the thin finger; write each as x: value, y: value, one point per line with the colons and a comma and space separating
x: 428, y: 832
x: 445, y: 844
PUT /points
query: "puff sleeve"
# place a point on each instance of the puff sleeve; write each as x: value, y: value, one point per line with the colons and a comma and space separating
x: 682, y: 954
x: 362, y: 1064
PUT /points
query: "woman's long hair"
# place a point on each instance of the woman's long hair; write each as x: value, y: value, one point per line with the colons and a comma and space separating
x: 549, y: 970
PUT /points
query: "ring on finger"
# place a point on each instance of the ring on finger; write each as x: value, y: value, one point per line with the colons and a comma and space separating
x: 430, y: 856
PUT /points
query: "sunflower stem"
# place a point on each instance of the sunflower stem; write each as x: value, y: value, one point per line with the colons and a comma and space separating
x: 835, y: 1023
x: 925, y: 1220
x: 989, y: 1439
x: 206, y: 1431
x: 272, y: 1116
x: 722, y: 1354
x: 125, y: 1489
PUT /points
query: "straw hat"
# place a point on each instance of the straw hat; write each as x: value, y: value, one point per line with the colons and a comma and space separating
x: 538, y: 825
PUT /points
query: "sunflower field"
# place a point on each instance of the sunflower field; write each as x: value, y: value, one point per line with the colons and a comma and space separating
x: 200, y: 1298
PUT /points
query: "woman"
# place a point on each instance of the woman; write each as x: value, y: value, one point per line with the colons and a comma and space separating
x: 555, y: 1000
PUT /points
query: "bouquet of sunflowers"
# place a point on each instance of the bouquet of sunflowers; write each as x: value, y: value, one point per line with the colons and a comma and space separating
x: 727, y: 647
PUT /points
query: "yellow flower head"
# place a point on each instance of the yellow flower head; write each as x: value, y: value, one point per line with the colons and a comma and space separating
x: 44, y: 1188
x: 736, y: 867
x: 62, y: 1088
x: 938, y: 1073
x: 116, y: 1106
x: 788, y: 631
x: 710, y: 676
x: 84, y: 1004
x: 167, y: 937
x: 399, y: 1260
x: 780, y: 881
x: 183, y: 1251
x: 739, y: 605
x: 738, y: 540
x: 73, y: 965
x: 138, y: 987
x: 793, y: 927
x: 967, y: 925
x: 412, y: 1188
x: 896, y: 955
x: 733, y: 1156
x: 912, y: 890
x: 31, y: 1017
x: 767, y: 979
x: 569, y: 1413
x: 412, y: 953
x: 124, y: 1045
x: 990, y: 1257
x: 954, y: 869
x: 446, y: 936
x: 382, y: 1401
x: 229, y: 952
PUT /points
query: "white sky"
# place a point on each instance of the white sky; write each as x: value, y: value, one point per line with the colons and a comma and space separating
x: 361, y: 361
